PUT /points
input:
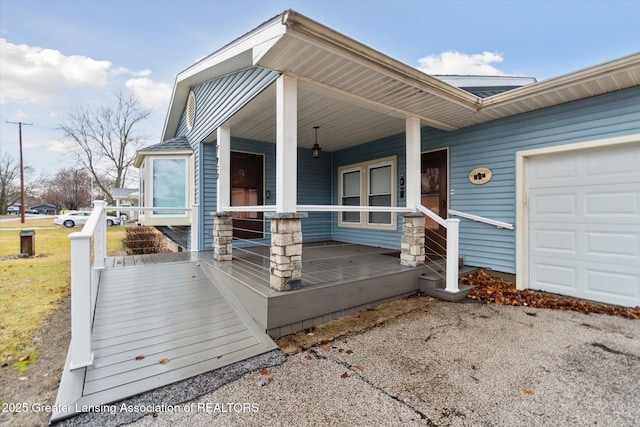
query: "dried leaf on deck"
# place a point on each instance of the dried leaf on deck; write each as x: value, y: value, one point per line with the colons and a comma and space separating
x: 164, y: 361
x: 528, y: 391
x: 345, y: 375
x: 139, y: 357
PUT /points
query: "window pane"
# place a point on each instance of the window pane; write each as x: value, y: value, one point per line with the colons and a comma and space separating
x: 169, y: 185
x: 351, y: 216
x: 380, y: 218
x: 380, y: 180
x: 351, y: 183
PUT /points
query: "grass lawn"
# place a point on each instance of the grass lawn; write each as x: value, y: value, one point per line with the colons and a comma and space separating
x: 31, y: 288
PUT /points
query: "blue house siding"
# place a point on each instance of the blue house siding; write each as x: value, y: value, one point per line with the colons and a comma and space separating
x: 495, y: 144
x: 314, y: 188
x: 393, y: 146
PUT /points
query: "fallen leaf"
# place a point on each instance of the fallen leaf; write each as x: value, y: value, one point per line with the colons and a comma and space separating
x: 139, y: 357
x: 349, y: 351
x: 528, y: 391
x: 265, y: 380
x: 24, y: 358
x: 164, y: 361
x: 358, y: 367
x: 308, y: 357
x: 265, y: 371
x: 345, y: 375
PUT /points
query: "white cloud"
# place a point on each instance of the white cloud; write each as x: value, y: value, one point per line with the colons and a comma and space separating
x: 452, y: 62
x: 33, y: 75
x: 151, y: 94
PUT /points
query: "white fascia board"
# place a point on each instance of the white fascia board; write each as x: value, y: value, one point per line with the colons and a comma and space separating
x: 140, y: 155
x: 310, y: 31
x: 238, y: 55
x: 564, y: 81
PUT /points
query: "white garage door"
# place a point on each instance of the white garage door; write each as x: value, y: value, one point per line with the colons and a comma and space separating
x: 584, y: 224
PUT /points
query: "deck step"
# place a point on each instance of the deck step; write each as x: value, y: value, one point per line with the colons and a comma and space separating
x: 434, y: 284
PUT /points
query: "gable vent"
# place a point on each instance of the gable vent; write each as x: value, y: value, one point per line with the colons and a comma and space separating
x: 191, y: 110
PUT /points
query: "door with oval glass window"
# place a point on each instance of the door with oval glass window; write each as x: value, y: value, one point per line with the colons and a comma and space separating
x: 433, y: 184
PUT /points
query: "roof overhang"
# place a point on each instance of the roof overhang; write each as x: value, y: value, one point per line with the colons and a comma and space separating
x: 361, y: 83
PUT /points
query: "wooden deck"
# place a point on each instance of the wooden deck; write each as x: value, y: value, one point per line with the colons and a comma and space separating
x: 158, y: 321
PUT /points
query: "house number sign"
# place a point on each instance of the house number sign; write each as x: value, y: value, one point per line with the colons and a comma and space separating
x: 480, y: 176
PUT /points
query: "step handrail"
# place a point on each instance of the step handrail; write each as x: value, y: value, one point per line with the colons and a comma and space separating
x: 478, y: 218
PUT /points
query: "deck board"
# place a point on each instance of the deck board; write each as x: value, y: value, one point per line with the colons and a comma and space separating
x: 163, y: 307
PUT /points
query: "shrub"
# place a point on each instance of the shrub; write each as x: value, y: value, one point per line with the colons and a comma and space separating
x: 143, y: 240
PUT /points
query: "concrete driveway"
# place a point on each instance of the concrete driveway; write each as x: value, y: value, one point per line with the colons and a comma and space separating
x: 443, y: 365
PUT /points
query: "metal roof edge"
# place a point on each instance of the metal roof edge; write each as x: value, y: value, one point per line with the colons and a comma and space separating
x: 565, y: 80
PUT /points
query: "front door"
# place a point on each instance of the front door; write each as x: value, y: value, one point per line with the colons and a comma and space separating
x: 433, y: 179
x: 247, y: 190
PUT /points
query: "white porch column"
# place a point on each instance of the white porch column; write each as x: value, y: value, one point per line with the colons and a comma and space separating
x: 412, y: 180
x: 286, y: 143
x: 224, y: 168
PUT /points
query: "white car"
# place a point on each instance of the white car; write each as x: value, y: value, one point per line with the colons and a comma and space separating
x: 80, y: 218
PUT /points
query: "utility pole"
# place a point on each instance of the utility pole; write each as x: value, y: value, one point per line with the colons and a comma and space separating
x: 22, y: 207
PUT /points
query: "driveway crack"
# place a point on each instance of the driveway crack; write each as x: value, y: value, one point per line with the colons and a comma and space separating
x: 355, y: 372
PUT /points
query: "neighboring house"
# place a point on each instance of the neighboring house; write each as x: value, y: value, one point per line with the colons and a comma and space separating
x: 45, y: 209
x: 125, y: 198
x: 557, y: 158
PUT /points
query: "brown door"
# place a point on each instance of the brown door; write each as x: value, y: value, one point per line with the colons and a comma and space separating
x: 247, y: 190
x: 433, y: 179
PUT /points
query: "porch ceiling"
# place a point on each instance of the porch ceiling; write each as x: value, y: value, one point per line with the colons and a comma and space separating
x: 342, y: 123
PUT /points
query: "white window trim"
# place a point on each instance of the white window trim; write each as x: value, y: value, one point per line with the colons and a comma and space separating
x: 375, y: 166
x: 187, y: 187
x: 364, y: 192
x: 342, y: 171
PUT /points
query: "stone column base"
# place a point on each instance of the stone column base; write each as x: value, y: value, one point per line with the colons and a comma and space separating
x: 412, y: 253
x: 222, y: 236
x: 286, y: 252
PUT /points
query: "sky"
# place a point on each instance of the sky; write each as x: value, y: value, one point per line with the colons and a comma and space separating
x: 56, y: 56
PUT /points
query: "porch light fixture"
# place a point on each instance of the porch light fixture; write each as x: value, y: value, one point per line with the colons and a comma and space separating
x: 315, y: 151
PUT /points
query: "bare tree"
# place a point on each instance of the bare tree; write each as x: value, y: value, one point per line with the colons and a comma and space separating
x: 69, y: 189
x: 106, y: 139
x: 10, y: 181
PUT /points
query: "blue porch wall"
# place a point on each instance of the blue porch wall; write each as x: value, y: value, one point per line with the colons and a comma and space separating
x: 494, y: 145
x: 393, y: 146
x: 314, y: 188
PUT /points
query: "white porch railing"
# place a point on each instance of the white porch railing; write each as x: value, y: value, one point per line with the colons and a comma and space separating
x: 478, y: 218
x: 85, y: 277
x: 453, y: 226
x: 88, y: 253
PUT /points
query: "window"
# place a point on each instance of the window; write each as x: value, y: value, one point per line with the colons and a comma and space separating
x: 169, y: 184
x: 351, y: 194
x: 368, y: 184
x: 380, y: 192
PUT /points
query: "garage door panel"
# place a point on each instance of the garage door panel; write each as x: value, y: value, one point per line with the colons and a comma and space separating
x: 553, y: 277
x: 584, y: 224
x: 619, y: 244
x: 621, y: 201
x: 603, y: 284
x: 553, y: 241
x: 553, y: 204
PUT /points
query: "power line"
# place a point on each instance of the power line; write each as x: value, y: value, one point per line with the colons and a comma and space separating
x: 22, y: 208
